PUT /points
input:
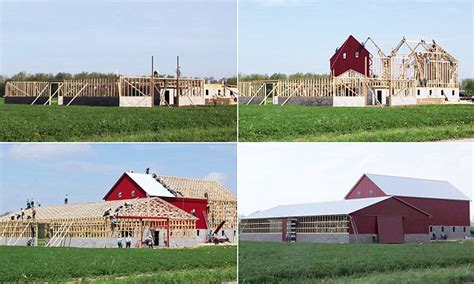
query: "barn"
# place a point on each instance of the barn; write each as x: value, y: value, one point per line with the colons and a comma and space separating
x: 378, y: 208
x: 351, y: 56
x: 173, y: 211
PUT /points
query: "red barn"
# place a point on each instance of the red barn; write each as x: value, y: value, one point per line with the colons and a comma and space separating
x: 378, y: 208
x: 352, y: 55
x: 448, y: 207
x: 137, y: 185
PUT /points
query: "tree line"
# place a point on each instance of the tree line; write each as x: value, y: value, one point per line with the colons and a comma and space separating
x: 24, y: 76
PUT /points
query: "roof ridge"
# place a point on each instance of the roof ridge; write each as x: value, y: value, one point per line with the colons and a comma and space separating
x: 408, y: 177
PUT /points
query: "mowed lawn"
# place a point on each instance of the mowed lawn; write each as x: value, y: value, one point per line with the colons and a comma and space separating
x: 39, y: 264
x: 449, y: 262
x: 310, y: 123
x: 91, y: 123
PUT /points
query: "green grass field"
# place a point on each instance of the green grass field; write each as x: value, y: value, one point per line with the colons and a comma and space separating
x: 309, y: 123
x: 39, y: 264
x: 262, y: 262
x: 84, y: 123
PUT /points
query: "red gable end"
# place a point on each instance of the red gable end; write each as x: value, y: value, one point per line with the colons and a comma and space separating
x: 364, y: 188
x: 351, y: 56
x: 124, y: 188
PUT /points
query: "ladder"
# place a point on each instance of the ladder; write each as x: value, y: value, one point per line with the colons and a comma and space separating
x: 354, y: 228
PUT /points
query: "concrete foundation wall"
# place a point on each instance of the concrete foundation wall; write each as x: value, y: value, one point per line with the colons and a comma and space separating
x: 189, y: 101
x: 307, y: 101
x: 452, y: 94
x: 349, y: 101
x: 93, y: 101
x: 417, y: 238
x: 135, y: 101
x: 25, y: 100
x: 458, y: 232
x: 255, y: 101
x: 401, y: 100
x: 271, y: 237
x: 322, y: 238
x: 363, y: 238
x: 11, y: 241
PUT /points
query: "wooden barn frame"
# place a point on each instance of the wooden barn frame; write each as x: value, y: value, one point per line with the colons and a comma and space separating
x: 59, y: 225
x: 118, y: 91
x: 412, y: 69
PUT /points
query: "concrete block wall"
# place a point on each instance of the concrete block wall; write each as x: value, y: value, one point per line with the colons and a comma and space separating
x: 263, y: 237
x: 189, y: 101
x: 417, y: 238
x: 25, y: 100
x: 255, y: 101
x: 363, y: 238
x: 459, y: 232
x: 307, y: 101
x: 452, y: 94
x: 135, y: 101
x: 322, y: 238
x: 349, y: 101
x: 21, y: 242
x: 92, y: 101
x: 401, y: 100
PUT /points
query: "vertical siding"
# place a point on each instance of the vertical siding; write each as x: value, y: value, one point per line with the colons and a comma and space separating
x: 366, y: 188
x: 188, y: 204
x: 340, y: 65
x: 125, y: 185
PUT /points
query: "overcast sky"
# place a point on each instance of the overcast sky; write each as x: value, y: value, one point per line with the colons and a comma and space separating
x: 290, y: 36
x: 122, y: 35
x: 271, y: 174
x: 46, y: 172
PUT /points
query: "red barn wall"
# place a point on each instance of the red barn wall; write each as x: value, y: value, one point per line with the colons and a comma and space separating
x: 188, y: 204
x: 125, y: 185
x: 444, y: 212
x: 339, y: 65
x: 414, y: 221
x: 364, y: 186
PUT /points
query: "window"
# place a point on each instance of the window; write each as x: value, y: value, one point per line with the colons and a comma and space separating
x: 223, y: 233
x: 207, y: 92
x: 371, y: 191
x: 464, y: 229
x: 431, y: 229
x: 133, y: 193
x: 442, y: 229
x: 454, y: 229
x: 418, y: 92
x: 442, y: 92
x: 453, y: 92
x: 197, y: 233
x: 344, y: 55
x: 359, y: 193
x: 120, y: 194
x: 356, y: 54
x: 431, y: 92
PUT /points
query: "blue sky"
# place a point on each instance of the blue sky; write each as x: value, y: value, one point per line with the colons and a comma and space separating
x: 290, y: 36
x: 290, y: 173
x: 110, y: 36
x: 86, y: 172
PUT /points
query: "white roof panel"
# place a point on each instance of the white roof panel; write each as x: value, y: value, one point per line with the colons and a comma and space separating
x: 341, y: 207
x: 150, y: 185
x: 415, y: 187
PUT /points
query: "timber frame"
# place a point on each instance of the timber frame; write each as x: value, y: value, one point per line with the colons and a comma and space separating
x: 118, y: 87
x: 410, y: 66
x: 137, y: 219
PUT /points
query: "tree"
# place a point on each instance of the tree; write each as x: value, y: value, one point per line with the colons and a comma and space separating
x: 468, y: 86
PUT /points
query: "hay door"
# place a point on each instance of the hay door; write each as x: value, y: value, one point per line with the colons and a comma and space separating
x: 390, y: 229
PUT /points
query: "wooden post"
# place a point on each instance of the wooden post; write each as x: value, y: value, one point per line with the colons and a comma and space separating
x: 168, y: 232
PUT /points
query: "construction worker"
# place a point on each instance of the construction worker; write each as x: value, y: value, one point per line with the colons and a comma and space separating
x: 65, y: 199
x: 119, y: 241
x: 33, y: 212
x: 128, y: 242
x: 28, y: 205
x: 32, y: 203
x: 22, y: 213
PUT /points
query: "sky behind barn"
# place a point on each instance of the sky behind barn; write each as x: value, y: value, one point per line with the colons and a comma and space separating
x: 109, y: 36
x: 290, y: 173
x: 86, y: 172
x: 290, y: 36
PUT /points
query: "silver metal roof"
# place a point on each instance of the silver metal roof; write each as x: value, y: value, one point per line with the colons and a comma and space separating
x: 341, y: 207
x: 150, y: 185
x: 415, y: 187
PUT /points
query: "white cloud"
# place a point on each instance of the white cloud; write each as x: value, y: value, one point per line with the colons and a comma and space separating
x: 39, y: 151
x: 217, y: 176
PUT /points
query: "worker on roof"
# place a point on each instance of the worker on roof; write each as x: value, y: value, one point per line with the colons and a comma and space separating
x: 65, y: 199
x: 33, y: 212
x: 22, y: 213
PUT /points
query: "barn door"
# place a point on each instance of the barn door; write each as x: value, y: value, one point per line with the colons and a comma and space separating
x: 390, y: 229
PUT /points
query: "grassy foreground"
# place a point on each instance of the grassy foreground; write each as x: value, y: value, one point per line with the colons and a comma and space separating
x: 261, y: 262
x: 310, y: 123
x: 86, y: 123
x: 40, y: 264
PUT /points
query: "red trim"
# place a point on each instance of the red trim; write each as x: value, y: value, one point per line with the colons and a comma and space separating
x: 118, y: 181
